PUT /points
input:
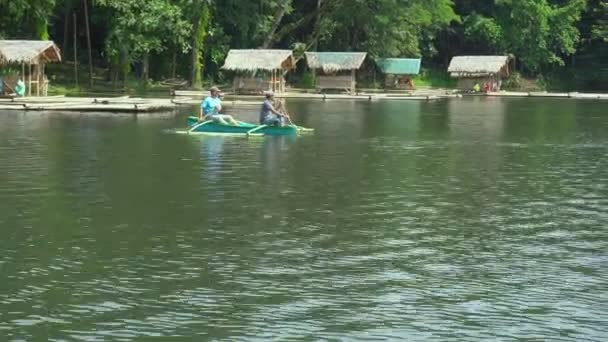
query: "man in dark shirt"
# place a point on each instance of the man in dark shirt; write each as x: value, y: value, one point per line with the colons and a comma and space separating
x: 269, y: 116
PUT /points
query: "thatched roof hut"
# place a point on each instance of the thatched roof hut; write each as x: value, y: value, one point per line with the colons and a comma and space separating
x: 483, y: 70
x: 28, y: 52
x: 399, y: 66
x: 397, y: 71
x: 254, y: 60
x: 335, y: 61
x: 273, y: 63
x: 477, y: 66
x: 32, y: 55
x: 332, y: 63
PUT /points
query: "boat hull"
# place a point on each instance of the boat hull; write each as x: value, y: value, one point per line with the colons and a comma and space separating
x: 242, y: 129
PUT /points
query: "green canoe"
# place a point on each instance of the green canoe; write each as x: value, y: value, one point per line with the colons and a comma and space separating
x: 195, y: 126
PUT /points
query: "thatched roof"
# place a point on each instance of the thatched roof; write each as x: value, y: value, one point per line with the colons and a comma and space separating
x: 399, y: 66
x: 28, y: 51
x: 477, y: 65
x: 252, y: 60
x: 335, y: 61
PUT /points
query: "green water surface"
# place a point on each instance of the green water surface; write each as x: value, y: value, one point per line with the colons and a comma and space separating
x: 476, y: 219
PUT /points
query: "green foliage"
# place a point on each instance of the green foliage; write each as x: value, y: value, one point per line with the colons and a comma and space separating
x: 139, y: 27
x: 306, y: 81
x: 545, y: 36
x: 538, y: 33
x: 435, y: 78
x: 486, y: 33
x: 201, y: 17
x: 600, y: 27
x: 514, y: 82
x: 385, y: 28
x: 26, y: 18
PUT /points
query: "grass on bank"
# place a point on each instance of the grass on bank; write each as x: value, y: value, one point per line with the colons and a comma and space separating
x: 62, y: 82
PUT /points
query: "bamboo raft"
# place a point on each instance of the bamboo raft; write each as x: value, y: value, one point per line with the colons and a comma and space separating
x: 179, y: 94
x: 572, y: 95
x: 88, y: 104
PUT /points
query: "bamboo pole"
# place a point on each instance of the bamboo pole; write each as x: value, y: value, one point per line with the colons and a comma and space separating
x: 29, y: 90
x: 45, y: 90
x: 38, y: 79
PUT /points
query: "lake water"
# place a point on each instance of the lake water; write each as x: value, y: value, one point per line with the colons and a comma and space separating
x: 466, y: 220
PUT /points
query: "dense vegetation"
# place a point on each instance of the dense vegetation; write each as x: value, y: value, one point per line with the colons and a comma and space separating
x: 563, y: 40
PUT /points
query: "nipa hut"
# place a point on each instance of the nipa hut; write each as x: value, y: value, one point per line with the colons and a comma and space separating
x: 487, y: 71
x: 339, y: 69
x: 32, y: 55
x: 260, y: 70
x: 399, y: 71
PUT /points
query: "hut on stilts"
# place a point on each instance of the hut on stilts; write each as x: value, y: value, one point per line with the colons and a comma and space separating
x: 487, y: 71
x: 259, y: 70
x: 398, y: 72
x: 339, y: 69
x: 32, y: 56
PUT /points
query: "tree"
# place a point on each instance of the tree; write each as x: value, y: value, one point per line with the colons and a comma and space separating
x: 600, y: 27
x: 140, y: 28
x: 485, y: 33
x: 382, y: 27
x: 200, y: 23
x: 17, y: 17
x: 538, y: 33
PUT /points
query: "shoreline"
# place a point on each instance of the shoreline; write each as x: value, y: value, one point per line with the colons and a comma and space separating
x: 177, y: 98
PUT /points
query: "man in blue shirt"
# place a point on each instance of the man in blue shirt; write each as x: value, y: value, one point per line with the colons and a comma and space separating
x: 210, y: 109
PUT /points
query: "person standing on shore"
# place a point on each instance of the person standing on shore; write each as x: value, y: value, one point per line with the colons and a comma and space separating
x: 20, y: 88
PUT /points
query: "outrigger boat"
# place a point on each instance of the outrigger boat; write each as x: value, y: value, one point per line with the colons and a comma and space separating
x: 244, y: 128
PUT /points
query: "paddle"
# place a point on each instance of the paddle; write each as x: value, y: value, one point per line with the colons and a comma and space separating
x: 303, y: 129
x: 250, y: 132
x: 200, y: 124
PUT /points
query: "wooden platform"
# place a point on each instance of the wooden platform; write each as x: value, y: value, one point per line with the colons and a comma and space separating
x: 426, y: 96
x: 105, y: 104
x: 573, y: 95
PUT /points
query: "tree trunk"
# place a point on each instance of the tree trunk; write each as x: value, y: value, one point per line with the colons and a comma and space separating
x: 195, y: 71
x: 125, y: 66
x: 145, y: 67
x: 275, y: 25
x: 315, y: 38
x: 75, y: 54
x: 199, y: 30
x: 315, y: 33
x: 174, y: 64
x: 88, y: 32
x: 66, y: 29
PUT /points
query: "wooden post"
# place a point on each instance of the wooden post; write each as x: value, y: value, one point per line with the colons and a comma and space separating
x: 75, y: 54
x: 86, y: 20
x: 353, y: 81
x: 38, y: 79
x: 29, y: 87
x: 45, y: 90
x: 174, y: 64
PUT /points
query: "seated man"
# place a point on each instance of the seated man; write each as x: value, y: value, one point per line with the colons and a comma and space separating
x: 211, y: 107
x: 269, y: 116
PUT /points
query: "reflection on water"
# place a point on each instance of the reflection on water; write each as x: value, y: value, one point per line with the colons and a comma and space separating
x: 473, y: 219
